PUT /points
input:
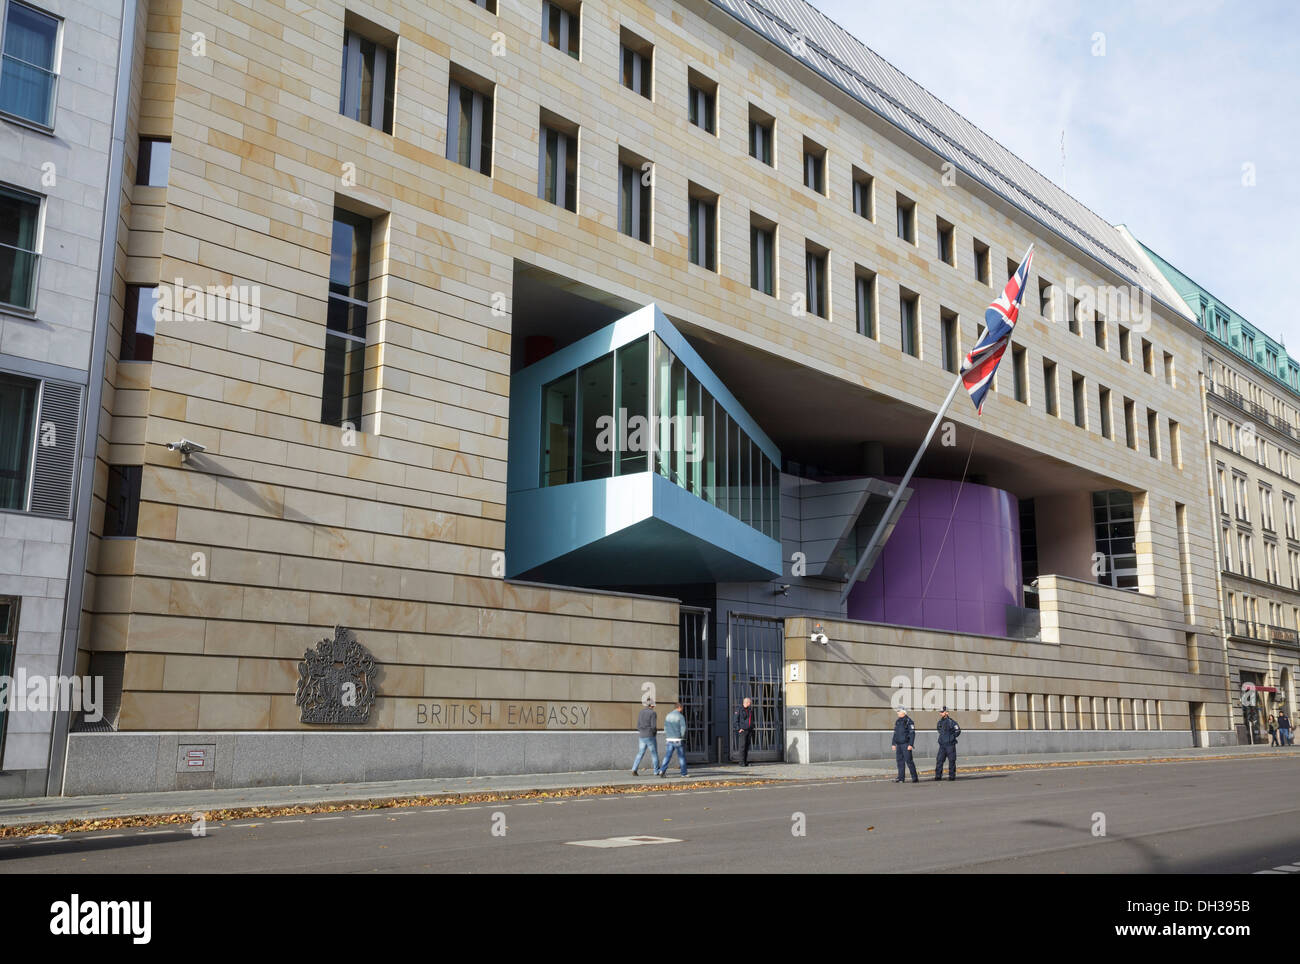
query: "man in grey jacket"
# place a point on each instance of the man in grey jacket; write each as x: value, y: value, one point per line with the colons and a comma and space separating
x: 674, y: 739
x: 647, y: 725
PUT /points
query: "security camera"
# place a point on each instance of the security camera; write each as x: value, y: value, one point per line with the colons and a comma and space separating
x: 782, y: 589
x: 185, y: 447
x: 820, y: 638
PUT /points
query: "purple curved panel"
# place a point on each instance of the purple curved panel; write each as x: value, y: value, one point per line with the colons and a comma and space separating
x: 952, y: 562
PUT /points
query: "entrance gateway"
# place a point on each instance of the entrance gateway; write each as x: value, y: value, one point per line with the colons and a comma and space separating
x: 712, y: 684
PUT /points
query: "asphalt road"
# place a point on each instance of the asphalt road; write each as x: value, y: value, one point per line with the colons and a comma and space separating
x: 1225, y: 816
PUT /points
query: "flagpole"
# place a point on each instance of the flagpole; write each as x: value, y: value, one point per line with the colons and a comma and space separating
x: 898, y: 492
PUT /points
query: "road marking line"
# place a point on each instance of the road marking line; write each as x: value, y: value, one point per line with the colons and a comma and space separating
x: 609, y: 842
x: 530, y: 804
x: 433, y: 811
x: 154, y: 833
x: 1288, y: 868
x: 367, y: 815
x: 256, y: 824
x: 327, y: 818
x: 277, y: 822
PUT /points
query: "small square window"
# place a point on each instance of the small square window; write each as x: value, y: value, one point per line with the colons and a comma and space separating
x: 154, y: 162
x: 560, y: 25
x: 702, y: 102
x: 369, y: 69
x: 122, y: 503
x: 469, y: 121
x: 636, y: 62
x: 138, y: 323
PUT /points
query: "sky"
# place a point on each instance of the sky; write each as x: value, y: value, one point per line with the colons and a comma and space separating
x: 1161, y: 113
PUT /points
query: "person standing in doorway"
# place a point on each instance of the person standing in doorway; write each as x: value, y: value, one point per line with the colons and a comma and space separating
x: 647, y: 725
x: 948, y: 733
x: 674, y: 739
x: 904, y: 737
x: 745, y: 727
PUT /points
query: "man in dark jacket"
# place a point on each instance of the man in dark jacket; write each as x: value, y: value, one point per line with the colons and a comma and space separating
x: 647, y: 725
x: 745, y: 727
x: 948, y: 733
x: 904, y: 736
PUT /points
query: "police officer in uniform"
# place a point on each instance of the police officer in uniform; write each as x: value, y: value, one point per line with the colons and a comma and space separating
x: 948, y: 733
x: 904, y: 736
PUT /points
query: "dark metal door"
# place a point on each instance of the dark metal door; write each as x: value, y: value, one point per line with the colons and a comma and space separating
x: 755, y: 668
x: 693, y: 680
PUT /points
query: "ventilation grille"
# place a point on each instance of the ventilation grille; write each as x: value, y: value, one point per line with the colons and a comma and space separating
x: 56, y: 450
x: 111, y: 667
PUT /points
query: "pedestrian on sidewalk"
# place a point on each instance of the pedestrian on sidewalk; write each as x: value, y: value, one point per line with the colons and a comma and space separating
x: 904, y: 737
x: 745, y: 727
x: 948, y: 733
x: 674, y: 735
x: 1284, y: 728
x: 647, y: 725
x: 1272, y: 731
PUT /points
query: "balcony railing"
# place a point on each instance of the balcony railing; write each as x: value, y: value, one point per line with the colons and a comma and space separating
x: 1264, y: 632
x: 1254, y: 409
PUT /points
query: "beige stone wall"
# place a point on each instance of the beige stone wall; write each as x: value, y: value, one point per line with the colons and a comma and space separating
x: 395, y: 535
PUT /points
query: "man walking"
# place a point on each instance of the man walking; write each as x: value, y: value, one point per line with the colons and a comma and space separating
x: 674, y: 735
x: 904, y: 735
x: 647, y: 725
x: 745, y: 727
x: 948, y: 733
x: 1284, y: 728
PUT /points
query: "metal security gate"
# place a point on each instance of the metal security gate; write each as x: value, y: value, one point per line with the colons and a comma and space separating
x: 693, y: 680
x: 755, y: 668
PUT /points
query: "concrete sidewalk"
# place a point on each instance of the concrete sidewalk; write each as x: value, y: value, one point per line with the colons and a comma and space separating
x: 45, y: 810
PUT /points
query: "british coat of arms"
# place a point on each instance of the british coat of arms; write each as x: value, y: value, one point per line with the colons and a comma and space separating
x: 336, y: 681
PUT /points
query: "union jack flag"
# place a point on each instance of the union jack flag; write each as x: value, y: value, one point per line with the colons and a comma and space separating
x: 999, y: 321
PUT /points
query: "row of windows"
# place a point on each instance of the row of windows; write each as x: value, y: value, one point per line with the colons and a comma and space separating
x: 1246, y: 441
x: 1224, y: 377
x: 469, y: 143
x: 1035, y: 711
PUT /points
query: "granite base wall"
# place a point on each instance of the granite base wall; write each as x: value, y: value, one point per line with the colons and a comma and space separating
x: 824, y: 746
x: 137, y: 762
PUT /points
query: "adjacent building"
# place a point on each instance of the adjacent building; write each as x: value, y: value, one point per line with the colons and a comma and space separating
x: 60, y: 159
x: 1252, y: 391
x: 474, y: 373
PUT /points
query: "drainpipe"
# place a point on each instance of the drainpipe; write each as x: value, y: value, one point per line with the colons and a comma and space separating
x: 1218, y: 549
x: 94, y: 397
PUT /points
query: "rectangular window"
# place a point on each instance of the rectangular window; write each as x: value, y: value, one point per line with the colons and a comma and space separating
x: 1148, y: 358
x: 865, y: 302
x: 814, y: 166
x: 1153, y: 434
x: 557, y: 163
x: 815, y: 261
x: 1080, y: 401
x: 1020, y: 373
x: 951, y: 340
x: 1116, y: 538
x: 469, y: 123
x: 1288, y: 508
x: 702, y: 102
x: 863, y: 190
x: 636, y: 58
x: 1125, y: 345
x: 1169, y: 369
x: 20, y: 230
x: 983, y: 263
x: 560, y: 25
x: 945, y: 234
x: 1130, y: 424
x: 1045, y: 290
x: 762, y: 256
x: 153, y: 162
x: 1072, y: 316
x: 18, y: 399
x: 29, y: 76
x: 761, y: 126
x: 906, y: 210
x: 1107, y: 421
x: 1175, y: 444
x: 489, y: 5
x: 345, y: 335
x: 122, y: 503
x: 138, y: 323
x: 1099, y: 331
x: 703, y: 211
x: 369, y: 68
x: 634, y: 177
x: 907, y: 312
x: 559, y: 429
x: 1051, y: 402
